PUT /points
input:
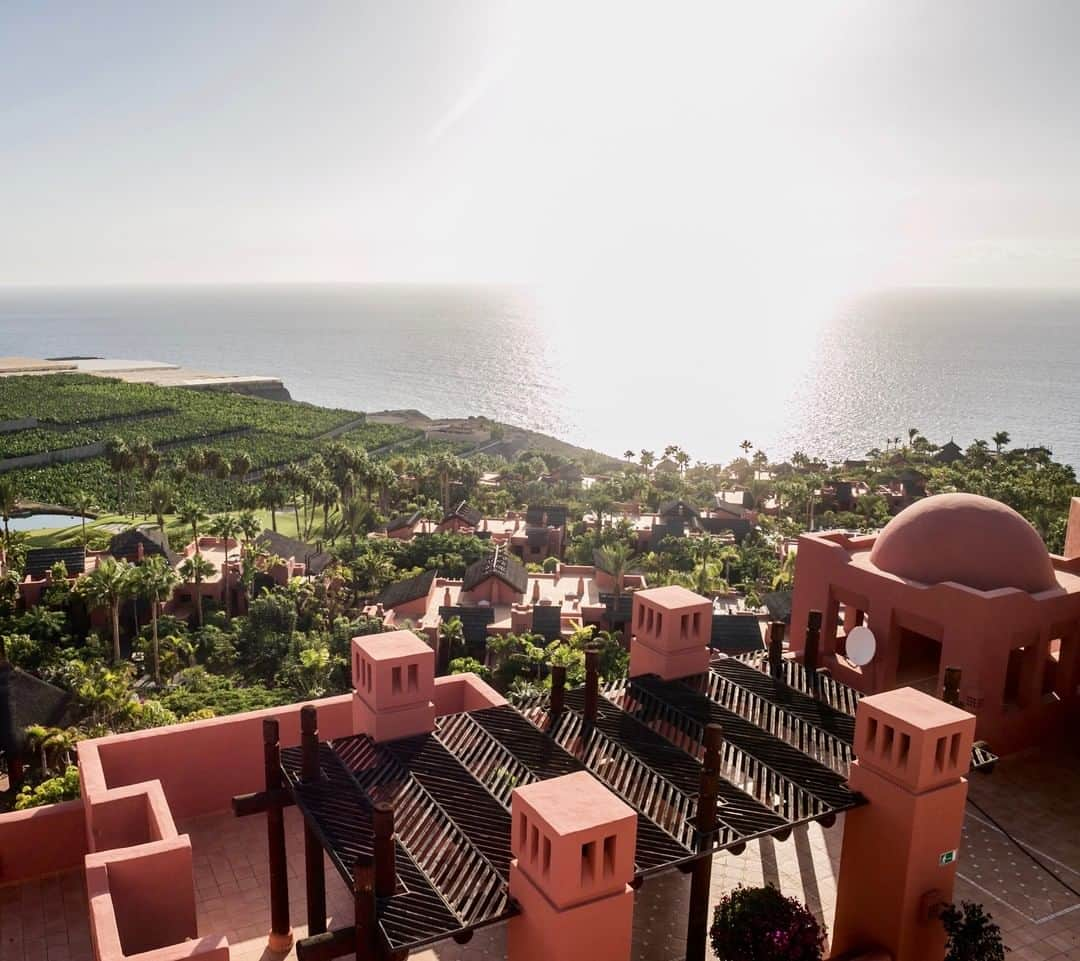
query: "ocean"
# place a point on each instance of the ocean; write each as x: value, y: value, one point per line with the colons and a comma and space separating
x: 954, y: 364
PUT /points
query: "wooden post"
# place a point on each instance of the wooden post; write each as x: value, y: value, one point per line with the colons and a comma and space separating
x: 385, y: 868
x: 951, y: 694
x: 697, y: 926
x: 813, y: 641
x: 592, y: 687
x: 280, y: 930
x: 314, y: 867
x: 777, y: 629
x: 558, y: 690
x: 367, y: 927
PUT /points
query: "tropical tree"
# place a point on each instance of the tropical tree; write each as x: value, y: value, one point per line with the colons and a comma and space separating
x: 1001, y: 439
x: 273, y: 495
x: 8, y: 502
x: 161, y: 497
x: 240, y: 466
x: 194, y: 570
x: 193, y: 513
x: 648, y: 458
x: 154, y: 580
x: 82, y: 502
x: 120, y: 460
x: 107, y: 586
x: 250, y: 526
x: 51, y: 743
x: 629, y: 455
x: 614, y: 559
x: 353, y: 513
x: 227, y: 528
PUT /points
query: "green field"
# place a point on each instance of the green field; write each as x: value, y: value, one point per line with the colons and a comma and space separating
x: 75, y: 410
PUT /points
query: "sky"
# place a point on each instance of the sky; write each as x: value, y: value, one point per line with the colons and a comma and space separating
x: 793, y: 151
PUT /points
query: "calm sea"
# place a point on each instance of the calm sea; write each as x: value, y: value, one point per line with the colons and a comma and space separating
x: 953, y: 364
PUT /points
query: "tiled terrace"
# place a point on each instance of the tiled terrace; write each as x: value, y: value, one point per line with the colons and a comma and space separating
x: 1035, y: 795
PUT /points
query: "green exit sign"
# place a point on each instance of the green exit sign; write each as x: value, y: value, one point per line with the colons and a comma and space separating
x: 947, y: 857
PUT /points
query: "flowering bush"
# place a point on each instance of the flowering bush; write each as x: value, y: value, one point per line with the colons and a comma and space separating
x: 760, y: 924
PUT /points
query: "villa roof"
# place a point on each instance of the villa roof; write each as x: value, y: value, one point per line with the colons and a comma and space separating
x: 402, y: 521
x: 34, y: 701
x: 679, y: 507
x: 778, y: 604
x: 40, y: 560
x: 314, y: 560
x: 125, y: 545
x: 498, y: 563
x: 410, y: 589
x: 540, y: 516
x: 468, y: 514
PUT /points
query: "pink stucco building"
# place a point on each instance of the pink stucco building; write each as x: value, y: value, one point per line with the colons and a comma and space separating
x: 958, y: 581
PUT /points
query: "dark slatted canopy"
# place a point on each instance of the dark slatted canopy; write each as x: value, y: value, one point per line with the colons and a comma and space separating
x: 783, y: 762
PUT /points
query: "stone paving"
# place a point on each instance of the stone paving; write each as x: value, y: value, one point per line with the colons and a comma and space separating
x: 1035, y: 795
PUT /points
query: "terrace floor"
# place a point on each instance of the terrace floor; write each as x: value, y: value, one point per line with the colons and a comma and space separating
x: 1036, y: 795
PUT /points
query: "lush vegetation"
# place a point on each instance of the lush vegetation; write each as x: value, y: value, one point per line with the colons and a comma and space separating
x: 760, y: 924
x: 971, y: 934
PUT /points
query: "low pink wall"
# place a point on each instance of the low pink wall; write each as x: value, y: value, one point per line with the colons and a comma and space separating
x: 456, y: 693
x: 41, y: 841
x: 125, y: 816
x: 142, y: 901
x: 203, y: 764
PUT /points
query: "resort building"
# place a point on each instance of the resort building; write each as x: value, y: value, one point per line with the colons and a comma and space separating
x: 533, y: 535
x: 677, y: 518
x: 420, y: 809
x: 955, y: 581
x: 498, y: 595
x: 291, y: 558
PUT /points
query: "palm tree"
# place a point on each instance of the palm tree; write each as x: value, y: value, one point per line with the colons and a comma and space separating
x: 162, y: 496
x: 629, y: 455
x: 83, y: 503
x: 746, y: 446
x: 704, y: 550
x: 353, y: 512
x: 227, y: 527
x: 193, y: 571
x: 250, y: 526
x: 192, y: 512
x: 614, y: 560
x: 50, y: 741
x: 240, y: 466
x: 648, y: 458
x: 7, y: 504
x: 273, y: 495
x: 155, y: 580
x: 1001, y: 439
x: 108, y: 585
x: 120, y: 460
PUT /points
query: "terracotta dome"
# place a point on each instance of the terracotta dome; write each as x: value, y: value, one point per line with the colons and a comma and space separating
x: 972, y: 540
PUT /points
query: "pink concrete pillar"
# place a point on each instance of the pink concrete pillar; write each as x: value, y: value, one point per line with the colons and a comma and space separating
x: 573, y: 845
x: 1072, y: 531
x: 899, y: 852
x: 394, y: 685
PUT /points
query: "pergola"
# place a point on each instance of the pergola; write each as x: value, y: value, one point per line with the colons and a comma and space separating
x: 420, y: 828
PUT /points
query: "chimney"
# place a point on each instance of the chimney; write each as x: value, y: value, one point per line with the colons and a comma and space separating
x: 536, y: 592
x: 447, y: 602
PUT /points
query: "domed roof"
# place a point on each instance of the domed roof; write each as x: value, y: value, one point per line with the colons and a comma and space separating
x: 972, y: 540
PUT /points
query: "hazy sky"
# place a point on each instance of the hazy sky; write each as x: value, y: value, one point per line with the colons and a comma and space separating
x: 807, y: 146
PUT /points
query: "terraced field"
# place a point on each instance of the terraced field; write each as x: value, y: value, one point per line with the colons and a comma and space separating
x: 71, y: 411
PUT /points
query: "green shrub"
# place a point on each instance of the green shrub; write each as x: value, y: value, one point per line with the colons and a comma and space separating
x: 760, y: 924
x: 65, y: 787
x: 971, y: 934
